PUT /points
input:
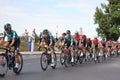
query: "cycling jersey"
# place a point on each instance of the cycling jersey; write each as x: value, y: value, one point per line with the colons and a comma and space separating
x: 83, y: 42
x: 109, y: 44
x: 77, y: 38
x: 96, y: 42
x: 11, y: 36
x: 89, y: 43
x: 68, y: 40
x: 103, y: 42
x: 49, y: 39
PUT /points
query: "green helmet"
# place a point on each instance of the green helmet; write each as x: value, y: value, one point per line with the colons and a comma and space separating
x: 68, y: 31
x: 7, y: 26
x: 45, y: 31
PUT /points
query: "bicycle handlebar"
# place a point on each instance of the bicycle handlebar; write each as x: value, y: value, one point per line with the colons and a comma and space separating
x: 6, y: 49
x: 3, y: 48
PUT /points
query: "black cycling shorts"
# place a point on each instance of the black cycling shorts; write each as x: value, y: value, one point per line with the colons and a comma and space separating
x: 16, y: 44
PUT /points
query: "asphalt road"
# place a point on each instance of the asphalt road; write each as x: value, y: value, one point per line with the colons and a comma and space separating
x: 108, y: 70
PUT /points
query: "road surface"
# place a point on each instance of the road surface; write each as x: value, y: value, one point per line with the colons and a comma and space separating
x: 108, y: 70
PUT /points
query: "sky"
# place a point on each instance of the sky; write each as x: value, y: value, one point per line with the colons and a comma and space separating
x: 54, y: 15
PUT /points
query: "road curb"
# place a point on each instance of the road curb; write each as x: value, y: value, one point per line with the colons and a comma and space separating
x: 35, y: 53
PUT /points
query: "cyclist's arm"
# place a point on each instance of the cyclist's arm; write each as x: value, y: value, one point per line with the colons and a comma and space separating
x: 64, y: 41
x: 1, y: 41
x: 71, y: 41
x: 50, y: 43
x: 12, y: 43
x: 41, y: 43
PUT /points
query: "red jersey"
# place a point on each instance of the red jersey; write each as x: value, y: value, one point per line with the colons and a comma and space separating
x: 77, y: 37
x: 95, y: 41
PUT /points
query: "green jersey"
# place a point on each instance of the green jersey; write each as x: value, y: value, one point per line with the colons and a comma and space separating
x: 11, y: 36
x: 49, y: 39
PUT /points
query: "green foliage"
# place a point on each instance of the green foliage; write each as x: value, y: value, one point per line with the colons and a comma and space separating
x: 108, y: 19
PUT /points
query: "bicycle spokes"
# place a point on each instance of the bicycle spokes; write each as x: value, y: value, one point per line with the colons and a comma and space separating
x: 3, y: 65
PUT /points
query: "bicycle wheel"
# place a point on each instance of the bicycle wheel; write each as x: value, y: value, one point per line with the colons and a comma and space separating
x: 44, y: 61
x: 76, y: 57
x: 3, y: 65
x: 62, y: 58
x: 80, y: 57
x: 20, y: 58
x: 55, y: 61
x: 67, y: 59
x: 100, y: 57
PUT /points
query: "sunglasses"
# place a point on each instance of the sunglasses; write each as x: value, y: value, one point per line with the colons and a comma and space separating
x: 68, y: 33
x: 6, y: 29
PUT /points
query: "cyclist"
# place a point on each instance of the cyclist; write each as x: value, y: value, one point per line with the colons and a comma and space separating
x: 88, y: 48
x: 109, y: 47
x: 95, y: 43
x: 61, y: 39
x: 69, y: 42
x: 13, y: 41
x: 119, y: 47
x: 114, y: 47
x: 103, y: 48
x: 48, y: 40
x: 77, y: 38
x: 84, y: 45
x: 103, y: 42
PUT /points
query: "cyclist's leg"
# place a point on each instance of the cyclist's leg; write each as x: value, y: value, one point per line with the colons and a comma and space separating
x: 82, y: 49
x: 87, y: 53
x: 52, y: 55
x: 6, y: 45
x: 108, y: 50
x: 72, y: 53
x: 95, y: 53
x: 16, y: 50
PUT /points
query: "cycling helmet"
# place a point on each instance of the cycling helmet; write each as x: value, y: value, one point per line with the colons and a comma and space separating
x: 45, y: 31
x: 7, y: 26
x: 76, y: 32
x: 84, y: 36
x: 95, y: 37
x: 68, y: 31
x: 63, y: 34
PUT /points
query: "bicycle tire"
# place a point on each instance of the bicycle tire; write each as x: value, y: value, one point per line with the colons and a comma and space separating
x: 80, y: 57
x: 3, y: 64
x: 44, y: 58
x: 67, y: 59
x: 55, y: 61
x: 62, y: 58
x: 17, y: 71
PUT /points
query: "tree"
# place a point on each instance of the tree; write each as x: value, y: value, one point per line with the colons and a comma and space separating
x: 108, y: 19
